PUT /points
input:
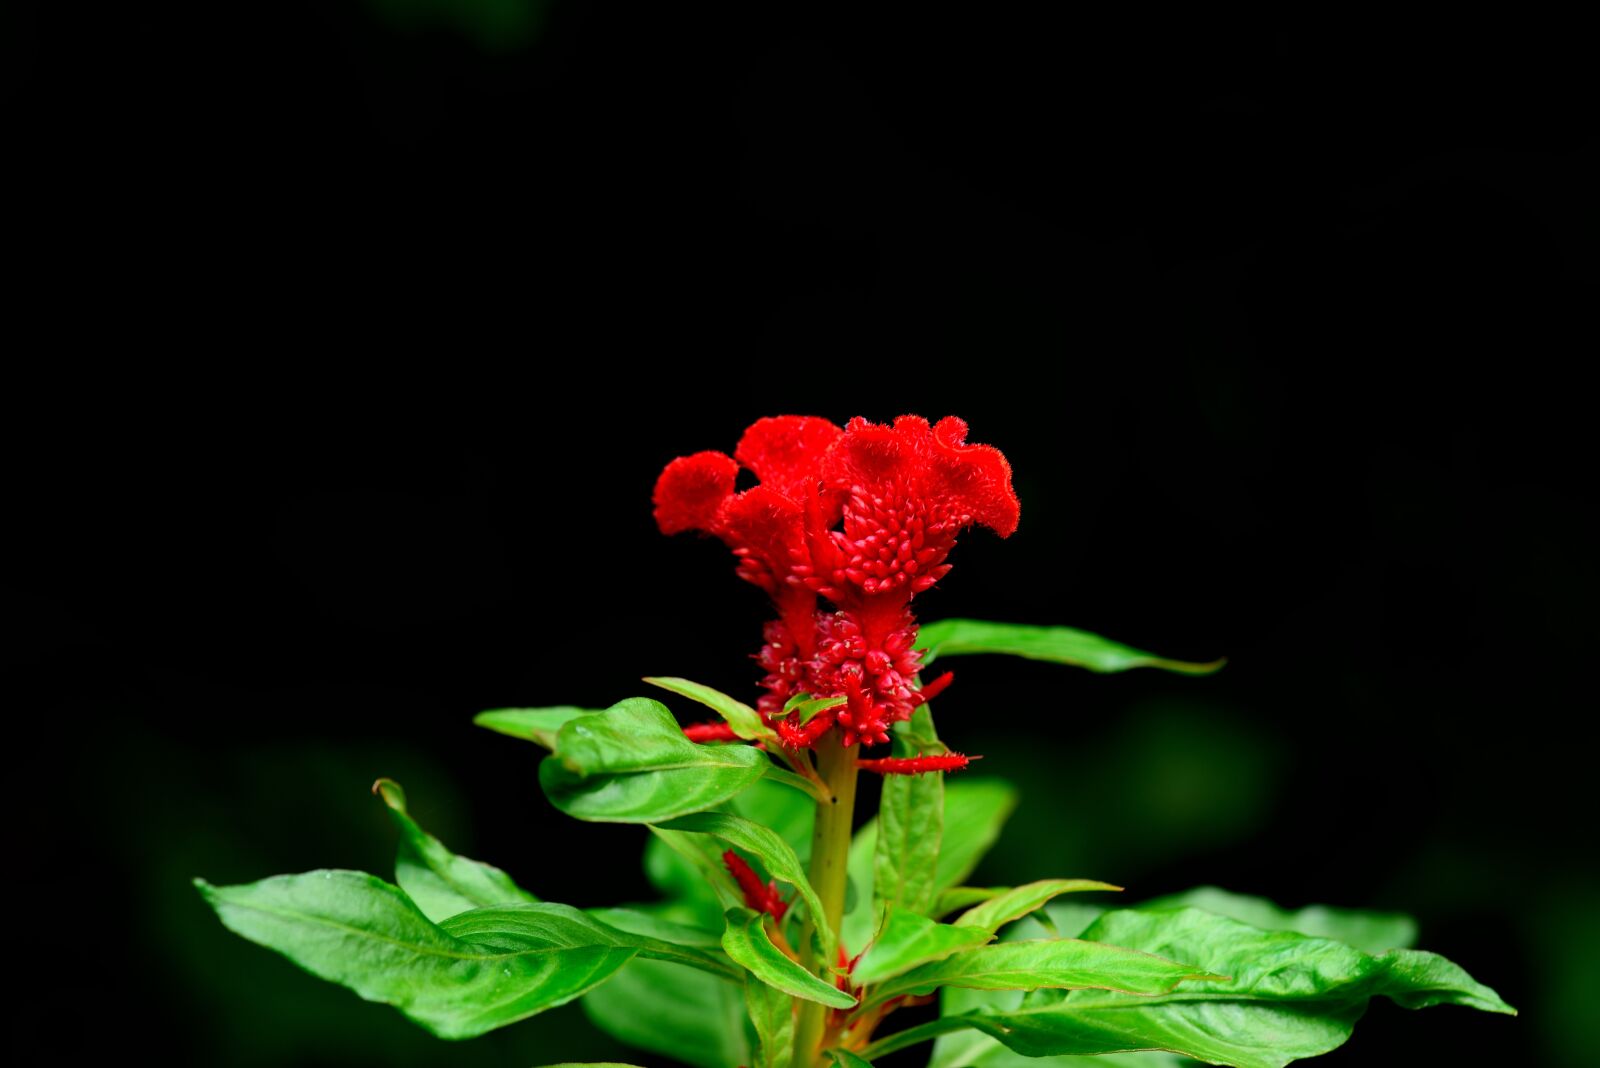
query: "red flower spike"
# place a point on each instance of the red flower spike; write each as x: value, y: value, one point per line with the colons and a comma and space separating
x: 712, y: 731
x: 762, y: 897
x: 918, y: 765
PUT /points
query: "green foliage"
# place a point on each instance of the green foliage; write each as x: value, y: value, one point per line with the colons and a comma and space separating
x: 776, y: 855
x: 359, y: 931
x: 907, y: 939
x: 439, y: 882
x: 632, y: 764
x: 747, y: 942
x: 539, y: 725
x: 1008, y: 905
x: 740, y: 716
x: 1058, y: 645
x: 772, y: 1013
x: 910, y: 825
x: 1287, y: 995
x: 673, y: 1011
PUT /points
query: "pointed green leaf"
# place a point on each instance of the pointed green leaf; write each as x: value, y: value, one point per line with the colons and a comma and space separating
x: 359, y: 931
x: 1059, y: 645
x: 591, y: 1064
x: 515, y: 927
x: 974, y: 812
x: 795, y: 782
x: 1373, y: 932
x: 772, y: 1013
x: 809, y: 706
x: 1288, y: 995
x: 673, y: 1011
x: 843, y: 1058
x: 1062, y: 964
x: 910, y: 824
x: 744, y: 720
x: 650, y: 925
x: 539, y: 725
x: 441, y: 883
x: 1018, y: 902
x: 961, y: 897
x: 908, y: 940
x: 774, y: 853
x: 746, y: 941
x: 632, y: 764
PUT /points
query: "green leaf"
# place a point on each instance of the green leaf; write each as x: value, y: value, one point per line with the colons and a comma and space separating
x: 774, y: 853
x: 673, y: 1011
x: 632, y: 764
x: 747, y: 943
x: 910, y: 825
x: 843, y: 1058
x: 772, y: 1013
x: 515, y: 927
x: 650, y: 925
x: 591, y: 1064
x: 1369, y: 931
x: 796, y: 782
x: 539, y: 725
x: 960, y: 897
x: 1018, y: 902
x: 809, y: 706
x: 359, y: 931
x: 909, y: 939
x: 744, y: 720
x: 974, y: 812
x: 1063, y: 964
x: 441, y: 883
x: 1288, y: 996
x: 1059, y: 645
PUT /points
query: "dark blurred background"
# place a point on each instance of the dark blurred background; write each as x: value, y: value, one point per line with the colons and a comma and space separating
x: 349, y: 338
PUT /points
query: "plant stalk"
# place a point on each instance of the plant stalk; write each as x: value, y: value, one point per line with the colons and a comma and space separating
x: 830, y: 853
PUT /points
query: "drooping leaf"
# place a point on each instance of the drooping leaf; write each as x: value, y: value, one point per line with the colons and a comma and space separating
x: 515, y: 927
x: 1061, y: 964
x: 1288, y: 995
x: 1373, y: 932
x: 539, y: 725
x: 780, y: 809
x: 974, y: 812
x: 772, y: 1014
x: 766, y: 845
x: 910, y: 825
x: 441, y: 883
x: 632, y: 764
x: 674, y: 1011
x: 746, y: 941
x: 744, y: 720
x: 907, y: 940
x: 1059, y: 645
x: 359, y: 931
x: 1017, y: 902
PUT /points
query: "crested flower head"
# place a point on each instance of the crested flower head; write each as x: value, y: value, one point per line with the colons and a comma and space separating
x: 843, y: 529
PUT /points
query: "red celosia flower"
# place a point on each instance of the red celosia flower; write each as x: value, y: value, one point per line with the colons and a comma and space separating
x: 917, y: 765
x: 862, y: 518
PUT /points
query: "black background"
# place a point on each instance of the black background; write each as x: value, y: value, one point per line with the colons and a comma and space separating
x: 354, y: 343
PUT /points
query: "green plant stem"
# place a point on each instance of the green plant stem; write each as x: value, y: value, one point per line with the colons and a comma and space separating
x: 830, y: 854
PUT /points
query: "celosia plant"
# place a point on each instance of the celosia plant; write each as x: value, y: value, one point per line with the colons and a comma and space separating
x: 788, y: 936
